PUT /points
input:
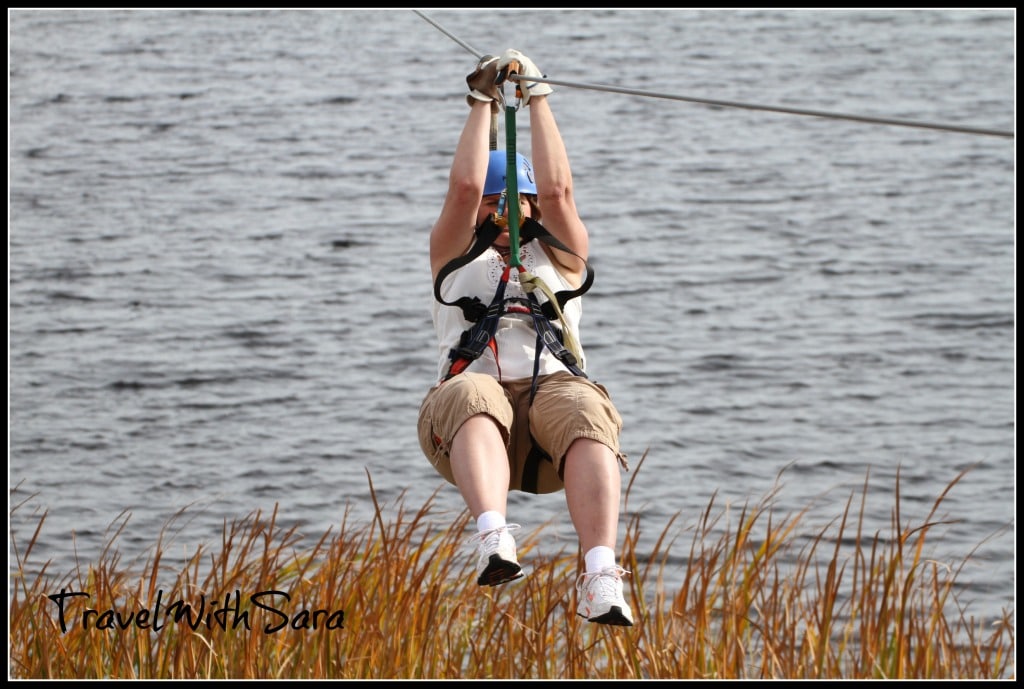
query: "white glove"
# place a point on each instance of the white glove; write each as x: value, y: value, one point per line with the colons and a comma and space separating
x: 482, y: 82
x: 524, y: 67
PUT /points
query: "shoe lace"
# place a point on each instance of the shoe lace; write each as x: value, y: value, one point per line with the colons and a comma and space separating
x: 605, y: 578
x: 492, y: 535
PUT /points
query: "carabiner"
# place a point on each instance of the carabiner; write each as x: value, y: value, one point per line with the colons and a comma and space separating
x: 502, y: 79
x: 499, y: 215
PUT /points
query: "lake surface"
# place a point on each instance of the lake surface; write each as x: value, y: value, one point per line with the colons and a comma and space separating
x: 220, y: 295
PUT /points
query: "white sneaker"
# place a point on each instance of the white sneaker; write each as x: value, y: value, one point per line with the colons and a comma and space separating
x: 600, y: 597
x: 497, y: 563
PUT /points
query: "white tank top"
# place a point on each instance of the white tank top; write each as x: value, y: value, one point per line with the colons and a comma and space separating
x: 515, y: 337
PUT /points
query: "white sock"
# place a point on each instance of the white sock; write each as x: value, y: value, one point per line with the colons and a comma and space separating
x: 489, y: 520
x: 599, y: 557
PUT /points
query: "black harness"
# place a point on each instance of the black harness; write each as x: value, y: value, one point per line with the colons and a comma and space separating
x: 480, y: 336
x: 472, y: 308
x: 485, y: 317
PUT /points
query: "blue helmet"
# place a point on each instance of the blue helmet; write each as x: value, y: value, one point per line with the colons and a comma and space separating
x: 495, y: 182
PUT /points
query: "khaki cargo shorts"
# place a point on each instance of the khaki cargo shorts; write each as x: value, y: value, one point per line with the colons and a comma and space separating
x: 566, y: 408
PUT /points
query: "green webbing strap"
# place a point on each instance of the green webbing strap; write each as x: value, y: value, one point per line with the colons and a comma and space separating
x: 527, y: 281
x: 512, y: 185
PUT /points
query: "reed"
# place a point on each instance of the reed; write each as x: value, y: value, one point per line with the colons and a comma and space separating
x: 396, y: 598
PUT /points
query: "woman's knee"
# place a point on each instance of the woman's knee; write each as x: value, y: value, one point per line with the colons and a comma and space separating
x: 466, y: 396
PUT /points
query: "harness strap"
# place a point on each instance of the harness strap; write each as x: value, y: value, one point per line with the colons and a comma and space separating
x: 532, y: 229
x: 531, y: 467
x: 481, y: 335
x: 472, y: 308
x: 549, y: 337
x: 531, y: 283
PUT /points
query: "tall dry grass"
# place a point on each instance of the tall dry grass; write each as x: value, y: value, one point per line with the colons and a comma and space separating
x: 396, y: 598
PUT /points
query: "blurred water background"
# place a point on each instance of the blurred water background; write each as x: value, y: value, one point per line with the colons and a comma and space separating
x: 219, y: 293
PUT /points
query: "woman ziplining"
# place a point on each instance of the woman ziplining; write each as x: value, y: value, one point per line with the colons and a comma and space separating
x: 484, y: 424
x: 513, y: 407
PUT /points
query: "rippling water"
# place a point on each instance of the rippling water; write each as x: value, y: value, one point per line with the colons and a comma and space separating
x: 219, y: 289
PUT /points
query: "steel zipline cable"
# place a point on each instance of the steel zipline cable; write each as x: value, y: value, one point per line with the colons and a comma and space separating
x: 748, y: 106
